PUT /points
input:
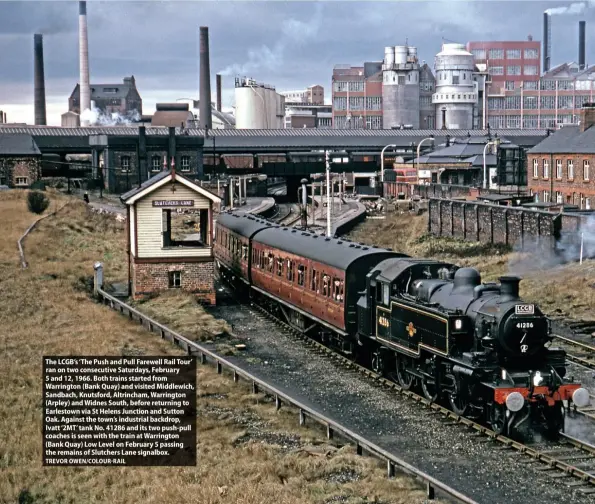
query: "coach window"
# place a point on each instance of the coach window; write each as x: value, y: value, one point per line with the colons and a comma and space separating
x: 290, y: 270
x: 245, y: 252
x: 314, y: 283
x: 279, y: 267
x: 325, y: 286
x: 336, y: 289
x: 271, y: 262
x: 301, y: 274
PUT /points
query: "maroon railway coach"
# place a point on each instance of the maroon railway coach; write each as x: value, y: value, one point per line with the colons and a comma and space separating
x: 314, y: 278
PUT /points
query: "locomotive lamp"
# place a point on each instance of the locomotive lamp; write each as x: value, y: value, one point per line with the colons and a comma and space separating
x: 537, y: 379
x: 458, y: 324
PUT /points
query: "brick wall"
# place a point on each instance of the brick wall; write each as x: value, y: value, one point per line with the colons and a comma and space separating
x: 197, y: 278
x: 431, y: 190
x: 124, y: 181
x: 572, y: 189
x: 473, y: 221
x: 13, y: 167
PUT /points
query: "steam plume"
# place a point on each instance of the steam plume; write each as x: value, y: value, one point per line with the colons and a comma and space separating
x: 96, y: 117
x: 293, y: 33
x: 573, y: 8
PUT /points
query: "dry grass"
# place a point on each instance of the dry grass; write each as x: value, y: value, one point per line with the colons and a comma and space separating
x: 565, y: 291
x: 46, y: 311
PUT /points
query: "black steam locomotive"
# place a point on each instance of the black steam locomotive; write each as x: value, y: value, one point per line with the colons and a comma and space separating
x: 420, y: 322
x: 477, y: 344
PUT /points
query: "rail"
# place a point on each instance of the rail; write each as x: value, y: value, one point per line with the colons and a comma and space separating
x: 258, y: 385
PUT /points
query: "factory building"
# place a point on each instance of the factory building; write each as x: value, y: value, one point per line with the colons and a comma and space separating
x: 308, y: 116
x: 510, y: 63
x: 312, y: 95
x: 456, y: 93
x: 258, y: 105
x: 400, y: 88
x: 550, y: 101
x: 357, y: 96
x: 123, y: 99
x: 427, y: 111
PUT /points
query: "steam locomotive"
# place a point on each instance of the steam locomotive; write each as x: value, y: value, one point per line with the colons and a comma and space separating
x: 420, y: 322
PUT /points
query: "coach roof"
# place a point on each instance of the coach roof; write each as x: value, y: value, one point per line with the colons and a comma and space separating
x: 244, y: 225
x: 337, y: 253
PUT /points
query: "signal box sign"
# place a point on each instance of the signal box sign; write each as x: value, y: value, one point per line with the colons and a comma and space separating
x: 173, y: 203
x: 524, y: 309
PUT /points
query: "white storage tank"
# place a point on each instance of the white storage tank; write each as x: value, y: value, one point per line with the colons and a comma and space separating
x: 389, y: 56
x: 456, y: 94
x: 401, y: 55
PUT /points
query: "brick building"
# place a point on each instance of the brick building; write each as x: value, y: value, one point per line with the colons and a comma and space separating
x: 122, y: 98
x: 509, y: 63
x: 126, y: 161
x: 170, y: 237
x: 20, y: 160
x: 312, y: 95
x: 357, y: 96
x: 559, y: 167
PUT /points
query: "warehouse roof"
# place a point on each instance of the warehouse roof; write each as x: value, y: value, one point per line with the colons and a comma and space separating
x: 567, y: 140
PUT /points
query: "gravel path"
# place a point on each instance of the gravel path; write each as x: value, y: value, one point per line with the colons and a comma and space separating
x: 473, y: 465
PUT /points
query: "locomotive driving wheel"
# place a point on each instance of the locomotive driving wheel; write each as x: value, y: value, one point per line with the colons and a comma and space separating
x: 459, y: 398
x: 404, y: 378
x: 429, y: 386
x: 498, y: 419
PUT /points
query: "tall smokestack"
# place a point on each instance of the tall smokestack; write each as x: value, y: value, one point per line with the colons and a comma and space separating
x: 206, y: 120
x: 546, y: 42
x: 84, y: 86
x: 39, y: 81
x: 581, y: 45
x: 218, y: 92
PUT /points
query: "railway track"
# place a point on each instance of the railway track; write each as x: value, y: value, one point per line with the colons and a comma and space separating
x: 566, y: 458
x: 580, y: 353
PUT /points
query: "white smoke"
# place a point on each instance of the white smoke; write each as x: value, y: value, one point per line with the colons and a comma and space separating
x: 573, y: 8
x: 293, y: 33
x: 541, y: 253
x: 96, y: 117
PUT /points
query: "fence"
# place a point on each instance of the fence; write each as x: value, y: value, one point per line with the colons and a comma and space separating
x: 496, y: 224
x: 332, y: 427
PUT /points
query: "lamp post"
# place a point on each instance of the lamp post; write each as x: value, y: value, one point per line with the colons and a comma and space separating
x: 431, y: 137
x: 485, y: 175
x: 382, y: 162
x: 328, y: 195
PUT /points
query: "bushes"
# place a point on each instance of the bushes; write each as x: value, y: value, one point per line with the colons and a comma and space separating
x: 37, y: 202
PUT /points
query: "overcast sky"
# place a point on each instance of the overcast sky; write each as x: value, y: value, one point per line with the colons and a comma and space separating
x: 288, y: 44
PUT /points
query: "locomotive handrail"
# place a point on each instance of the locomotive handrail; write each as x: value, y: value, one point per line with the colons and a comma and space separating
x: 193, y: 348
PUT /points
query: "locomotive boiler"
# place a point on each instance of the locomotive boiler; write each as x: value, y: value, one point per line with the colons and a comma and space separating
x: 423, y: 323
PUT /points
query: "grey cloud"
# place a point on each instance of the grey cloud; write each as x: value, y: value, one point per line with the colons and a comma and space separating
x: 288, y: 44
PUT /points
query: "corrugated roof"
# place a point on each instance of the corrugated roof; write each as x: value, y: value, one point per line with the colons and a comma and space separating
x: 289, y: 132
x: 18, y: 145
x: 567, y: 140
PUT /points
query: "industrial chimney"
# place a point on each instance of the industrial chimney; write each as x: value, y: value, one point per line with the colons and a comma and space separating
x: 206, y: 120
x: 39, y: 81
x: 218, y: 76
x: 84, y: 86
x: 581, y: 45
x: 546, y: 42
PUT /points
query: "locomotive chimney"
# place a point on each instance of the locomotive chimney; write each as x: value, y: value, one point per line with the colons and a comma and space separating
x: 509, y: 288
x: 206, y: 120
x: 39, y: 81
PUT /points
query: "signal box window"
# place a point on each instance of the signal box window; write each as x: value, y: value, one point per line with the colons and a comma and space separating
x: 175, y: 279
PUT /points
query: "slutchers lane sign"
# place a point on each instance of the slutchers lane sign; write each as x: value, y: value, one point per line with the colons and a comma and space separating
x: 174, y: 203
